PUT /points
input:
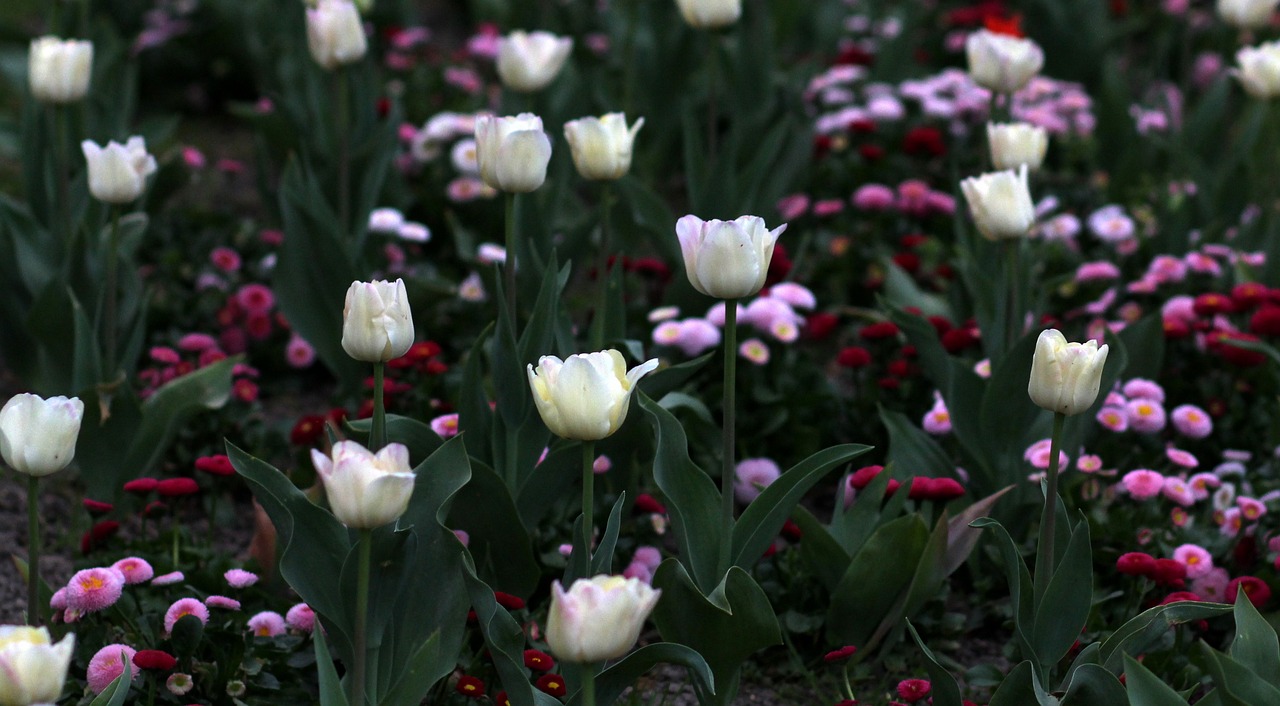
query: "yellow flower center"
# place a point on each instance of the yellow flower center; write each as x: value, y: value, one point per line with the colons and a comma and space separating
x: 1144, y: 409
x: 91, y: 583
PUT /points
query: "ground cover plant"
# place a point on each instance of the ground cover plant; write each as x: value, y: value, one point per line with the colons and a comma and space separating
x: 640, y: 352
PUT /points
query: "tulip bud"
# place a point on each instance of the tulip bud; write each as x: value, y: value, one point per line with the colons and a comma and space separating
x: 335, y: 33
x: 1246, y: 14
x: 528, y: 61
x: 1000, y: 62
x: 1000, y: 203
x: 32, y: 667
x: 38, y: 436
x: 377, y: 324
x: 727, y: 259
x: 365, y: 490
x: 58, y: 70
x: 601, y: 146
x: 1015, y: 144
x: 1259, y: 70
x: 118, y: 173
x: 710, y: 14
x: 1065, y: 376
x: 598, y: 618
x: 513, y: 152
x: 587, y: 396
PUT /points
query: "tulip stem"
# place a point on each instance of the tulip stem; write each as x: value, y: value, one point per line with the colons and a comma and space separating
x: 727, y: 433
x: 33, y: 551
x: 602, y: 270
x: 588, y: 685
x: 1015, y: 318
x: 378, y: 428
x: 1045, y: 554
x: 509, y: 266
x: 344, y: 152
x: 358, y: 697
x: 588, y: 497
x: 60, y: 119
x: 109, y: 318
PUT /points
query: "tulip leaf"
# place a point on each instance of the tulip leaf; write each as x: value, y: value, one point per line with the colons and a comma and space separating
x: 315, y: 544
x: 388, y: 568
x: 1236, y: 682
x: 331, y: 693
x: 852, y: 527
x: 1009, y: 419
x: 1147, y: 336
x: 1091, y: 684
x: 1140, y: 632
x: 1020, y: 590
x: 1144, y: 688
x: 878, y: 574
x: 1255, y: 645
x: 651, y: 213
x: 902, y: 292
x: 759, y: 524
x: 665, y: 380
x: 1021, y: 688
x: 821, y: 552
x: 693, y: 500
x: 602, y: 559
x: 474, y: 415
x: 912, y: 451
x: 726, y: 626
x: 418, y: 675
x: 612, y: 682
x: 1064, y: 609
x: 420, y: 439
x: 118, y: 690
x: 549, y: 483
x: 945, y: 691
x: 499, y: 543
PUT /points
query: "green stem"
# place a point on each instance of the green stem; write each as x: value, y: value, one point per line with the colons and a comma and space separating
x: 1048, y: 520
x: 588, y: 685
x: 33, y: 551
x: 727, y: 433
x: 109, y: 319
x: 1015, y: 317
x: 509, y: 267
x: 588, y: 497
x: 602, y: 270
x: 358, y: 671
x: 378, y: 430
x: 342, y: 98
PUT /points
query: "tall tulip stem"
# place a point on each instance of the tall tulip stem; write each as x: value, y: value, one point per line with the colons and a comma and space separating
x: 602, y: 269
x: 1048, y: 520
x: 342, y: 98
x: 33, y: 550
x: 62, y: 163
x: 378, y: 428
x: 727, y: 433
x: 588, y: 685
x: 111, y: 285
x: 358, y: 670
x: 588, y: 498
x: 509, y: 266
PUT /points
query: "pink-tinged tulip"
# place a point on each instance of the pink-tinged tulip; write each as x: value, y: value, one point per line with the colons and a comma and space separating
x: 365, y: 490
x: 598, y: 618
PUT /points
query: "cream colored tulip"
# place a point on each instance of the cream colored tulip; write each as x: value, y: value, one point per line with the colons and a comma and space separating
x: 1000, y: 203
x: 377, y: 324
x: 1015, y: 144
x: 1001, y: 62
x: 335, y: 33
x: 365, y: 490
x: 118, y: 173
x: 710, y: 14
x: 1065, y: 376
x: 1258, y: 70
x: 38, y: 436
x: 32, y: 667
x: 598, y: 618
x: 529, y: 61
x: 58, y: 70
x: 601, y: 147
x: 727, y: 259
x: 586, y: 396
x: 513, y: 152
x: 1246, y: 14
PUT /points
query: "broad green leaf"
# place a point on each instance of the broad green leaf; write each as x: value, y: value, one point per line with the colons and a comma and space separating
x: 1141, y: 631
x: 422, y: 671
x: 945, y: 690
x: 1020, y: 590
x: 1236, y: 682
x: 602, y: 559
x: 962, y: 536
x: 331, y: 692
x: 912, y: 451
x: 1091, y: 685
x: 1022, y: 688
x: 1255, y: 645
x: 1145, y: 688
x: 623, y: 674
x: 1062, y: 613
x: 878, y: 573
x: 500, y: 545
x: 421, y: 440
x: 821, y: 552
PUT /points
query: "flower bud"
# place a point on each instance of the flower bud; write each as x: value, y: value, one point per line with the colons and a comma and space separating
x: 585, y: 397
x: 32, y: 667
x: 727, y: 259
x: 1065, y: 376
x: 598, y: 618
x: 1000, y: 203
x: 1001, y: 62
x: 1015, y: 144
x: 377, y: 324
x: 118, y: 173
x: 601, y: 146
x: 710, y: 14
x: 58, y: 70
x: 1259, y: 70
x: 1246, y: 14
x: 38, y: 436
x: 365, y: 490
x: 335, y: 33
x: 528, y: 61
x: 513, y: 152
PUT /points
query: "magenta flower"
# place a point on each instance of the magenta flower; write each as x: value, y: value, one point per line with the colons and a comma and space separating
x: 1196, y: 558
x: 1143, y: 389
x: 754, y: 350
x: 1089, y: 463
x: 1191, y: 421
x: 1186, y: 459
x: 170, y: 578
x: 1212, y: 585
x: 225, y: 259
x: 222, y: 602
x: 1145, y: 416
x: 301, y: 618
x: 1178, y: 491
x: 256, y: 298
x: 92, y: 590
x: 107, y: 664
x: 1202, y: 484
x: 298, y: 353
x: 135, y: 570
x: 937, y: 420
x: 753, y: 475
x: 268, y: 623
x: 1113, y: 418
x: 1250, y: 509
x: 445, y: 426
x: 1142, y: 484
x: 182, y: 608
x: 239, y: 578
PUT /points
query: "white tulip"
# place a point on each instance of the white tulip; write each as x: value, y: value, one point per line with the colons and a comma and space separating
x: 1001, y: 62
x: 727, y: 259
x: 377, y: 324
x: 1015, y: 144
x: 118, y: 173
x: 528, y: 61
x: 32, y: 667
x: 365, y: 490
x: 1246, y: 14
x: 38, y: 436
x: 335, y: 33
x: 585, y: 397
x: 601, y: 146
x: 513, y: 152
x: 598, y: 618
x: 710, y: 14
x: 1258, y: 70
x: 1065, y: 376
x: 1000, y: 203
x: 58, y: 70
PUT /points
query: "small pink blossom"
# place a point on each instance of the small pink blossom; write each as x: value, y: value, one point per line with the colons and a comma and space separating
x: 1186, y: 459
x: 1191, y: 421
x: 1250, y: 509
x: 197, y: 342
x: 268, y: 623
x: 754, y: 350
x: 1113, y: 418
x: 1196, y: 558
x: 753, y: 475
x: 92, y: 590
x: 225, y: 259
x: 1038, y: 456
x: 1089, y: 463
x: 937, y: 420
x: 1202, y: 484
x: 107, y: 664
x: 1138, y: 388
x: 256, y: 298
x: 1142, y: 484
x: 1230, y: 521
x: 1145, y: 416
x: 301, y: 618
x: 602, y: 464
x: 298, y: 353
x: 170, y: 578
x: 1177, y: 490
x: 222, y: 602
x: 134, y: 569
x: 1212, y: 585
x: 182, y: 608
x: 445, y: 426
x: 873, y: 197
x: 239, y: 578
x: 1097, y: 271
x: 793, y: 206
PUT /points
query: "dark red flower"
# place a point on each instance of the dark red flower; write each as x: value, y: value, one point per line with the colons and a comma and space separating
x: 1255, y: 588
x: 914, y: 690
x: 791, y: 530
x: 649, y: 504
x: 958, y: 339
x: 141, y: 486
x: 889, y: 383
x: 469, y: 686
x: 153, y: 508
x: 854, y: 55
x: 1265, y: 321
x: 1175, y: 329
x: 218, y: 465
x: 177, y: 487
x: 97, y: 535
x: 924, y: 141
x: 853, y: 357
x: 879, y: 330
x: 501, y: 699
x: 1180, y: 596
x: 1212, y: 303
x: 841, y: 654
x: 863, y: 476
x: 900, y: 368
x: 551, y: 684
x: 779, y: 266
x: 154, y: 659
x: 908, y: 261
x: 862, y: 126
x: 97, y: 507
x: 1011, y: 26
x: 819, y: 325
x: 821, y: 146
x: 871, y: 153
x: 1168, y: 572
x: 508, y: 601
x: 307, y: 431
x: 1136, y: 564
x: 1222, y: 344
x: 1248, y: 295
x: 538, y: 661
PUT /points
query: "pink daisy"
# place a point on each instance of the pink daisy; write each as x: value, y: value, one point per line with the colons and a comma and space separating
x: 1145, y: 416
x: 1212, y: 585
x: 1196, y: 558
x: 1143, y: 389
x: 107, y: 664
x: 1178, y: 491
x: 169, y: 578
x: 1250, y: 509
x: 135, y: 569
x: 1186, y: 459
x: 239, y: 578
x: 1202, y: 484
x: 1229, y: 521
x: 602, y: 464
x: 1191, y: 421
x: 753, y: 475
x: 937, y: 420
x: 268, y: 623
x: 445, y: 426
x: 1089, y: 463
x: 1142, y: 484
x: 301, y: 618
x: 222, y: 602
x: 1113, y: 418
x: 92, y: 590
x: 182, y: 608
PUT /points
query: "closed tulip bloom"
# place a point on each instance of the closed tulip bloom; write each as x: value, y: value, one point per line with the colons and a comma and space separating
x: 598, y: 618
x: 58, y: 70
x: 1065, y: 376
x: 601, y: 146
x: 32, y: 666
x: 1000, y: 203
x: 377, y: 324
x: 1246, y: 14
x: 38, y: 436
x: 118, y: 173
x: 1258, y: 70
x: 1015, y: 144
x: 335, y: 33
x: 1001, y: 62
x: 365, y: 490
x: 585, y: 397
x: 727, y: 259
x: 710, y: 14
x: 528, y: 61
x: 513, y: 152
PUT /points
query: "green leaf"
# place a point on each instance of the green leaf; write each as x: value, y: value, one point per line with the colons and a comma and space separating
x: 962, y: 536
x: 1147, y: 336
x: 1022, y: 688
x: 618, y: 677
x: 418, y: 436
x: 1255, y: 645
x: 663, y: 381
x: 602, y: 559
x: 1063, y: 611
x: 1020, y: 591
x: 1091, y: 685
x: 474, y: 416
x: 945, y: 690
x: 1145, y: 688
x: 759, y: 524
x: 821, y: 552
x: 1141, y: 631
x: 331, y: 693
x: 912, y: 451
x: 499, y: 543
x: 877, y: 575
x: 901, y: 292
x: 118, y: 690
x: 419, y: 674
x: 1235, y: 681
